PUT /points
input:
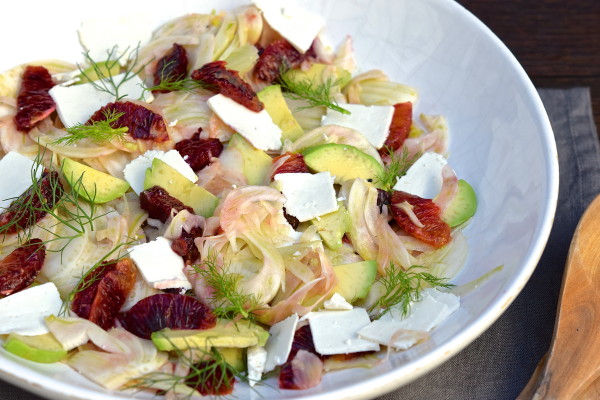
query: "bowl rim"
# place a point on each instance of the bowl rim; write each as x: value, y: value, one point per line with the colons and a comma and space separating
x: 44, y: 385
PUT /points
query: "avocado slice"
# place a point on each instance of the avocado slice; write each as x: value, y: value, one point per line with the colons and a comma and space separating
x: 241, y: 156
x: 91, y: 184
x: 233, y: 356
x: 280, y: 112
x: 41, y: 348
x: 162, y: 174
x: 463, y: 205
x: 318, y: 74
x: 343, y: 161
x: 100, y: 70
x: 225, y: 334
x: 355, y: 280
x: 333, y: 226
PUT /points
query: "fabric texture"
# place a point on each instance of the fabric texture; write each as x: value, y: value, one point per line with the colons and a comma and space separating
x: 499, y: 363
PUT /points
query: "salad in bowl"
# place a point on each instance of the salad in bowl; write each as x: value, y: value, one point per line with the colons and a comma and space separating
x: 222, y: 200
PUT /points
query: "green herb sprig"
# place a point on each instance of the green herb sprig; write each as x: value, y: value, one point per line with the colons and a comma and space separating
x: 397, y: 166
x: 212, y: 372
x: 226, y: 299
x: 97, y: 131
x: 402, y: 287
x: 315, y: 94
x: 104, y: 81
x: 69, y: 208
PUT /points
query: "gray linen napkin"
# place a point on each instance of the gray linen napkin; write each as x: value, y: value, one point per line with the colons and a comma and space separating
x: 499, y: 363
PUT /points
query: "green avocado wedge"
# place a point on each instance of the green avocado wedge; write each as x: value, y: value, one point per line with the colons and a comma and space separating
x: 463, y: 205
x: 91, y: 184
x: 355, y: 279
x: 225, y: 334
x: 41, y: 348
x: 343, y: 161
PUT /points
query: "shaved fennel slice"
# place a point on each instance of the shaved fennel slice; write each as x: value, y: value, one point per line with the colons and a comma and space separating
x: 363, y: 213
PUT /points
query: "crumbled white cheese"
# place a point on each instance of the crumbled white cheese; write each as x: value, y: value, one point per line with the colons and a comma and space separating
x: 24, y: 312
x: 256, y: 360
x: 160, y: 266
x: 257, y: 127
x: 135, y: 171
x: 373, y: 122
x: 434, y: 307
x: 308, y: 195
x: 423, y: 178
x: 15, y: 177
x: 336, y: 332
x: 298, y: 26
x: 337, y: 302
x: 280, y: 342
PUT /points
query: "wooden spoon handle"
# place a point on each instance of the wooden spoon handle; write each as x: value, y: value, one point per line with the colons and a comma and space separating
x: 573, y: 362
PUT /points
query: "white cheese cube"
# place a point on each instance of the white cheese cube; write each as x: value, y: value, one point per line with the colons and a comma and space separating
x: 24, y: 311
x: 423, y: 178
x: 135, y: 171
x: 373, y: 122
x: 308, y: 195
x: 337, y: 302
x: 298, y: 26
x: 336, y: 332
x: 160, y: 266
x: 434, y: 307
x: 280, y: 342
x: 256, y: 359
x: 99, y: 36
x: 15, y: 177
x: 76, y: 104
x: 257, y: 127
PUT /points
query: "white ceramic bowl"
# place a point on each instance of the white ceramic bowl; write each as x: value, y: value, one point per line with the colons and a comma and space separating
x: 501, y: 142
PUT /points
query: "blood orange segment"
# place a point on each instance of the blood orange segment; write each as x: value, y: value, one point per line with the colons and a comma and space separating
x: 160, y: 204
x: 173, y: 311
x: 141, y: 122
x: 33, y: 102
x: 211, y: 378
x: 400, y: 126
x: 172, y: 67
x: 294, y: 164
x: 198, y: 152
x: 277, y: 56
x: 102, y: 293
x: 434, y: 231
x: 219, y: 79
x: 19, y: 269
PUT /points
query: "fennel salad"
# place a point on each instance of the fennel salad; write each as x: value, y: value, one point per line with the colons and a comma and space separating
x: 222, y: 199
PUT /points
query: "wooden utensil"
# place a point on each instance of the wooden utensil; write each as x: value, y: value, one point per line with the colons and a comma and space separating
x: 572, y: 365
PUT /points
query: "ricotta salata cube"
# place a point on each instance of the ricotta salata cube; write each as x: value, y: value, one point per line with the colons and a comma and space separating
x: 373, y: 122
x: 76, y: 104
x: 424, y: 178
x: 336, y: 332
x: 280, y: 342
x: 15, y: 177
x: 298, y: 26
x: 434, y: 307
x: 257, y: 127
x: 256, y: 359
x: 24, y: 312
x: 160, y: 266
x: 308, y: 195
x: 135, y: 171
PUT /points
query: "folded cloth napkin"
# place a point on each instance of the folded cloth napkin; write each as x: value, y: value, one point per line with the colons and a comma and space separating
x: 498, y: 364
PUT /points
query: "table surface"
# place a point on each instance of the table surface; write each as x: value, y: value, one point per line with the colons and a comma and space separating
x: 556, y: 41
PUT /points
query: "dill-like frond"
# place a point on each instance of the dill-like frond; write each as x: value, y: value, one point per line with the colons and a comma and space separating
x: 207, y: 374
x: 104, y: 81
x: 98, y: 131
x: 397, y: 166
x: 402, y: 287
x: 308, y: 90
x: 185, y: 85
x: 226, y: 299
